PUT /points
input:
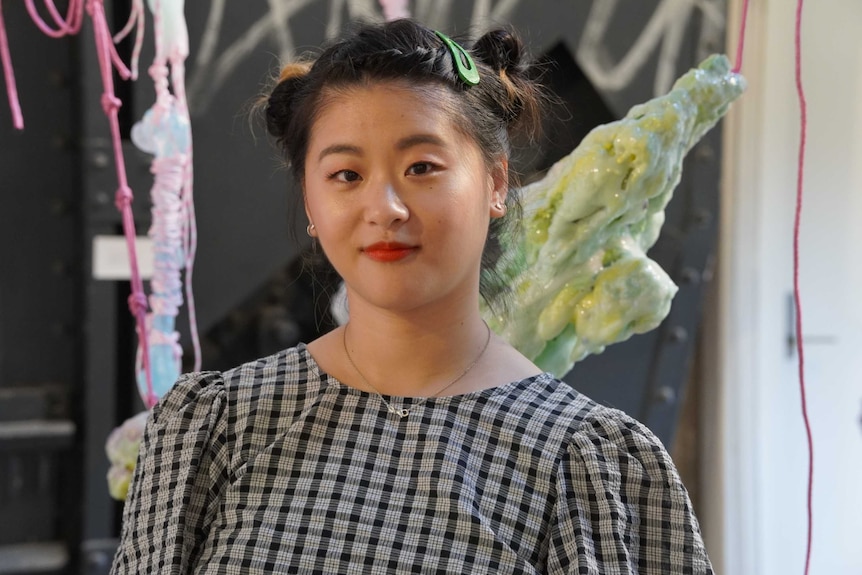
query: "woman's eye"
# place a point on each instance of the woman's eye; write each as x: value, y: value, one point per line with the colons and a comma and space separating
x: 419, y: 168
x: 346, y: 176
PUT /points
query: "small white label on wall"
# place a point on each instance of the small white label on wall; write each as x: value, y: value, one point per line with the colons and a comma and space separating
x: 111, y: 258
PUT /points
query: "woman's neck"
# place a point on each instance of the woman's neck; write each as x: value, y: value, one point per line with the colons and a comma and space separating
x: 413, y: 354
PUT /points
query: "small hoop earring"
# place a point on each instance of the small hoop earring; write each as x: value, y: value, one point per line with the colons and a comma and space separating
x: 310, y: 229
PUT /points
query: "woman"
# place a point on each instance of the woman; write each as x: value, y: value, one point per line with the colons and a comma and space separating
x: 410, y: 440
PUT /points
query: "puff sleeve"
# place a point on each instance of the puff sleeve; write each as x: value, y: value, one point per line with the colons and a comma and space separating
x: 182, y: 467
x: 621, y: 507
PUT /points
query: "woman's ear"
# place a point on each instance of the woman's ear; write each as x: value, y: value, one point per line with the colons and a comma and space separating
x: 500, y: 189
x: 310, y: 229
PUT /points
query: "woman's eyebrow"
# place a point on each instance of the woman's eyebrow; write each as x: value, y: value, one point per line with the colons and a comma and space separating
x: 417, y: 139
x: 339, y: 149
x: 402, y: 144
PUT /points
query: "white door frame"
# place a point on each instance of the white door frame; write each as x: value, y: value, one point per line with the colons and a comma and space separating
x: 731, y: 345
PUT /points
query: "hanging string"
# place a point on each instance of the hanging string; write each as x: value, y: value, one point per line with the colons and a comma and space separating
x: 136, y: 20
x: 797, y: 299
x: 109, y: 60
x: 70, y: 24
x: 67, y: 26
x: 180, y: 232
x: 165, y: 132
x: 9, y: 75
x: 190, y: 247
x: 740, y: 42
x: 107, y: 55
x: 190, y: 237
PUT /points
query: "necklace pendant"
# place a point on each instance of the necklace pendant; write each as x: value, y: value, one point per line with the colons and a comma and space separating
x: 402, y: 413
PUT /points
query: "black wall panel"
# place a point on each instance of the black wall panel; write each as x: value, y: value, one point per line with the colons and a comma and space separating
x: 41, y: 278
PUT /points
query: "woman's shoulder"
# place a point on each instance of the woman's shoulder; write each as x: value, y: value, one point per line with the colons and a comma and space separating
x: 194, y: 396
x: 540, y: 412
x: 251, y: 401
x: 591, y: 421
x: 547, y: 398
x: 576, y: 420
x: 616, y: 481
x: 257, y: 387
x: 606, y: 436
x: 249, y: 381
x: 264, y: 389
x: 614, y: 429
x: 292, y: 366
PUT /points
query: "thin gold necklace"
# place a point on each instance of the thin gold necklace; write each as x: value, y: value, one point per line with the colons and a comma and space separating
x: 404, y: 412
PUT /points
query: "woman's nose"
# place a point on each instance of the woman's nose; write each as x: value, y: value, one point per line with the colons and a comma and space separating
x: 385, y: 206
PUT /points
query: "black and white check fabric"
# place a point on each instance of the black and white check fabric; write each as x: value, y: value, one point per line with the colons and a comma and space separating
x: 276, y: 467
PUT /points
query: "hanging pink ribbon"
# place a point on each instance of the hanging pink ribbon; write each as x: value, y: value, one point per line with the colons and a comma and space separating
x: 109, y: 60
x: 165, y: 132
x: 174, y: 229
x: 9, y: 76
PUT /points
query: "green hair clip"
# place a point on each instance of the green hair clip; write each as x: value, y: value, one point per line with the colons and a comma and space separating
x: 467, y: 70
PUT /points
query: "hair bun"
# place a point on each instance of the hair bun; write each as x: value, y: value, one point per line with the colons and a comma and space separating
x: 520, y: 98
x: 294, y: 70
x: 500, y: 49
x: 280, y: 102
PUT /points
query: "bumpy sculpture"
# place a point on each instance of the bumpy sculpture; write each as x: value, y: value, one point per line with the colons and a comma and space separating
x: 122, y: 450
x: 577, y: 265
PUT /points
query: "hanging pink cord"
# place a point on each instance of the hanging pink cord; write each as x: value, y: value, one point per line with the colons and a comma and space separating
x: 111, y: 104
x: 797, y: 294
x: 69, y: 25
x: 9, y: 75
x: 797, y: 298
x: 72, y: 24
x: 190, y: 241
x: 740, y: 42
x: 135, y: 17
x: 165, y: 132
x: 190, y: 238
x: 108, y: 60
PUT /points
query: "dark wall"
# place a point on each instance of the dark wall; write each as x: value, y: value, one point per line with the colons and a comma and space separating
x: 40, y: 213
x: 41, y: 279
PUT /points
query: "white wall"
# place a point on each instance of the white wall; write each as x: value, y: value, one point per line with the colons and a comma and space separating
x: 755, y: 453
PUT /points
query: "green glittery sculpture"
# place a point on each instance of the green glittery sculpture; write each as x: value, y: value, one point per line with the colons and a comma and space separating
x: 577, y: 265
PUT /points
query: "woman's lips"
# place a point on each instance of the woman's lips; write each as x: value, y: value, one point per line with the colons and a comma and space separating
x: 389, y: 251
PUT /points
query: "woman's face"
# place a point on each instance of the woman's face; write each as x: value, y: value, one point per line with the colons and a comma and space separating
x: 400, y: 198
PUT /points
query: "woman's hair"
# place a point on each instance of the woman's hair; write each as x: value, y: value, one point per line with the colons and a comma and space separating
x: 501, y: 111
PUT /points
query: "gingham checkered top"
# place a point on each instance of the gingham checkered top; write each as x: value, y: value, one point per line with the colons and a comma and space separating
x: 276, y: 467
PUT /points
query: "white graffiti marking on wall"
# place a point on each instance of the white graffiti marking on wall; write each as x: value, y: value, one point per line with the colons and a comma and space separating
x: 210, y: 72
x: 667, y: 26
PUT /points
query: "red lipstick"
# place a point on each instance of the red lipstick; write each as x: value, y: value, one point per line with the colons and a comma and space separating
x: 389, y: 251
